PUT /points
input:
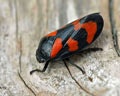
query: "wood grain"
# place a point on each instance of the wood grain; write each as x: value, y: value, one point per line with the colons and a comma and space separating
x: 24, y: 22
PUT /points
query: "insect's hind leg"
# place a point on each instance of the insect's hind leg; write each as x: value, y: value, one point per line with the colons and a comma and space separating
x: 64, y: 61
x: 38, y: 70
x: 92, y: 50
x: 75, y: 65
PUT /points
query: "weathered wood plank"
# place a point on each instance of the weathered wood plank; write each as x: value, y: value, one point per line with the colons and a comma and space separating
x: 24, y: 22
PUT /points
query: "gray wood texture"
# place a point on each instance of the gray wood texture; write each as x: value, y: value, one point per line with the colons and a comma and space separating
x: 24, y: 22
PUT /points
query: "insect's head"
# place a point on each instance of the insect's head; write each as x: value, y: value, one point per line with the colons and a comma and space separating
x: 39, y: 56
x: 43, y: 51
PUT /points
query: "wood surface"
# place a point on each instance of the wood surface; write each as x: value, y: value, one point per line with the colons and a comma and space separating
x: 24, y: 22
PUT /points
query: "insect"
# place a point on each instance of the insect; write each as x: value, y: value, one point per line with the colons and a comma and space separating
x: 69, y: 40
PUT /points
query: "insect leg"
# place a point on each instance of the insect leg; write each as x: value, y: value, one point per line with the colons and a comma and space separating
x: 92, y: 50
x: 75, y: 79
x: 75, y: 65
x: 38, y: 70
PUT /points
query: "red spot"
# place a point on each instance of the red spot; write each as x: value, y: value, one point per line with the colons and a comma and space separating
x: 52, y: 34
x: 73, y: 44
x: 57, y: 46
x: 63, y: 26
x: 77, y: 26
x: 75, y: 22
x: 91, y: 28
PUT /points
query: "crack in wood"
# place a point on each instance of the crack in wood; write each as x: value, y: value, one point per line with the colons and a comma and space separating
x: 26, y: 84
x: 113, y: 27
x: 19, y: 41
x: 21, y: 69
x: 16, y: 18
x: 20, y: 56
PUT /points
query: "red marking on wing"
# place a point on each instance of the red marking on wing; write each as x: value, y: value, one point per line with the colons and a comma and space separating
x: 57, y: 46
x: 91, y: 28
x: 52, y: 34
x: 73, y: 44
x: 63, y: 26
x: 77, y: 26
x: 75, y: 22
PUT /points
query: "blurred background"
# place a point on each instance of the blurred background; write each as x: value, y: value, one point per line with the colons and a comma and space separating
x: 24, y: 22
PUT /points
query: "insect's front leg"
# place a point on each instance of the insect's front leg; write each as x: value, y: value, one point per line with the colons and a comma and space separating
x: 38, y: 70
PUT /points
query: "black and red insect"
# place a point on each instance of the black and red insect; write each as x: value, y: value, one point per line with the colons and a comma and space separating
x: 69, y: 40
